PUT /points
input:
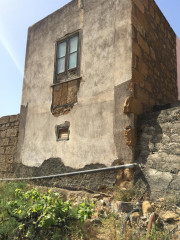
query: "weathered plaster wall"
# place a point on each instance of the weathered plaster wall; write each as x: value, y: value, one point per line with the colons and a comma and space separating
x: 178, y: 64
x: 154, y: 67
x: 158, y: 151
x: 96, y: 121
x: 9, y: 128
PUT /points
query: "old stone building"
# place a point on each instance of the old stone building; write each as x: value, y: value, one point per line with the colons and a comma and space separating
x: 91, y: 68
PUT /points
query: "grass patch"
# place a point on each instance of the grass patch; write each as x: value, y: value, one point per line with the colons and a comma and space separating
x: 133, y: 193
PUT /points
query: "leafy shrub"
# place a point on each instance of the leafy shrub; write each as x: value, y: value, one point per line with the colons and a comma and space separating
x: 84, y: 211
x: 36, y: 215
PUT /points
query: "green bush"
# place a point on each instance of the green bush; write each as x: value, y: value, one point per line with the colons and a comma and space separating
x: 35, y: 215
x: 84, y: 211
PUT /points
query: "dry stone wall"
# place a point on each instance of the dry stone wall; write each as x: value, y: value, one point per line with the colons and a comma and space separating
x: 158, y: 151
x: 9, y: 128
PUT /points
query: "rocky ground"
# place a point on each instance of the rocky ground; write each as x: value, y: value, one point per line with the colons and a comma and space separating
x: 115, y: 219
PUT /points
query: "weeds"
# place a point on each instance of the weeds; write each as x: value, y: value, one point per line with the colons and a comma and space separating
x: 127, y: 195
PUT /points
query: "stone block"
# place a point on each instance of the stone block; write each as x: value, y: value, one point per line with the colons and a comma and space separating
x: 4, y: 142
x: 118, y: 206
x: 9, y: 159
x: 9, y: 168
x: 146, y: 208
x: 4, y: 119
x: 143, y: 44
x: 129, y: 174
x: 3, y: 134
x: 13, y: 141
x: 145, y: 3
x: 137, y: 77
x: 148, y: 86
x: 134, y: 33
x: 11, y: 150
x: 130, y: 138
x: 152, y: 102
x: 135, y: 217
x: 1, y: 150
x: 158, y: 180
x: 16, y: 123
x: 3, y: 127
x: 142, y: 18
x: 136, y: 49
x: 2, y: 163
x: 14, y: 118
x: 170, y: 216
x: 132, y: 105
x: 119, y: 175
x: 138, y: 26
x: 139, y: 5
x: 175, y: 183
x: 12, y: 132
x: 143, y: 68
x: 135, y: 61
x: 152, y: 12
x: 152, y: 53
x: 142, y: 96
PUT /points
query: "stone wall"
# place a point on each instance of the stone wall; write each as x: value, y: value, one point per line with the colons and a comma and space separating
x: 9, y: 128
x: 154, y: 64
x: 158, y: 151
x: 178, y: 64
x: 154, y: 72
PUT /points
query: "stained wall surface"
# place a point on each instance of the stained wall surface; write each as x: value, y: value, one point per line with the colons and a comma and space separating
x: 96, y: 130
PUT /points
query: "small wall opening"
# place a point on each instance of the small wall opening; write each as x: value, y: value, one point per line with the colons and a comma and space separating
x: 62, y: 132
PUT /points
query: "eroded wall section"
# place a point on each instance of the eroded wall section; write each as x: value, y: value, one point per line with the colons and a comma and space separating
x: 9, y: 128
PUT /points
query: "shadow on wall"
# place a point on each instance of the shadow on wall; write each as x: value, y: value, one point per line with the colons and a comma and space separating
x: 149, y: 135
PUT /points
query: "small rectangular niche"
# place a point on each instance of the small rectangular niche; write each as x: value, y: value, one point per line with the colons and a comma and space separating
x: 62, y: 132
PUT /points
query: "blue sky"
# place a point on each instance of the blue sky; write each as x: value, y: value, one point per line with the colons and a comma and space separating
x: 15, y: 18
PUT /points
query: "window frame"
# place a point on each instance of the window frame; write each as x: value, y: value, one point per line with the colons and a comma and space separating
x: 68, y: 74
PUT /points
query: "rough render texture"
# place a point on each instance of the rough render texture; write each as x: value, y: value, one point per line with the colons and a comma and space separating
x: 158, y: 151
x: 9, y: 128
x: 178, y: 64
x: 96, y: 130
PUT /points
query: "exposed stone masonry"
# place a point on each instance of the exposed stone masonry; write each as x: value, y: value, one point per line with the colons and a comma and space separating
x: 154, y: 63
x: 159, y: 151
x: 9, y: 128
